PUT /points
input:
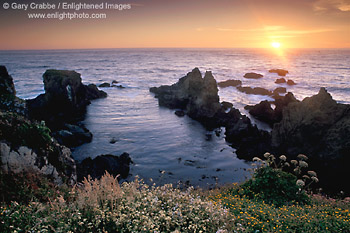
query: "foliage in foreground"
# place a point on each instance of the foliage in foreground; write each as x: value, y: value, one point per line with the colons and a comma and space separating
x: 273, y: 200
x: 255, y: 215
x: 104, y: 206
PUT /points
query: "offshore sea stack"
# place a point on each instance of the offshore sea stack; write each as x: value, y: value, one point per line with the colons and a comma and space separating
x: 65, y: 98
x: 63, y: 105
x: 199, y: 99
x: 197, y: 95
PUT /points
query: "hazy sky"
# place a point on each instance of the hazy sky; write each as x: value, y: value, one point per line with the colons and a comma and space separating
x: 182, y: 23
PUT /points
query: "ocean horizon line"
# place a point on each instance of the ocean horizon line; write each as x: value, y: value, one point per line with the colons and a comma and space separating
x: 168, y: 48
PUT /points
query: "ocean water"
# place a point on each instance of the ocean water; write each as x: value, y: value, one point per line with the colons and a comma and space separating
x: 156, y: 139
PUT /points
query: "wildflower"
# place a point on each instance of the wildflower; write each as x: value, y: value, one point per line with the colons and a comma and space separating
x: 283, y: 158
x: 303, y: 164
x: 267, y: 155
x: 294, y: 162
x: 286, y: 164
x: 302, y: 157
x: 300, y: 183
x: 314, y: 178
x: 312, y: 173
x: 256, y: 159
x: 306, y: 177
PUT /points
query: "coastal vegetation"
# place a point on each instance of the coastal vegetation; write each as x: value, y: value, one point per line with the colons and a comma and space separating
x: 103, y: 205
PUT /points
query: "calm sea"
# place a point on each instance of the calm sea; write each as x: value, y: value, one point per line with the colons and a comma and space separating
x: 155, y: 137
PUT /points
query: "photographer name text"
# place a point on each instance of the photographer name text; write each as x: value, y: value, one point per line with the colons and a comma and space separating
x: 66, y: 6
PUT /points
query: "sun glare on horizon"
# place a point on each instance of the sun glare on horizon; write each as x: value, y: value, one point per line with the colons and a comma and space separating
x: 276, y: 45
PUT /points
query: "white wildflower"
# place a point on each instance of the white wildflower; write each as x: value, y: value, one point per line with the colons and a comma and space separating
x: 256, y: 159
x: 283, y: 158
x: 302, y: 157
x: 294, y: 162
x: 315, y: 179
x: 303, y: 164
x: 312, y: 173
x: 300, y: 183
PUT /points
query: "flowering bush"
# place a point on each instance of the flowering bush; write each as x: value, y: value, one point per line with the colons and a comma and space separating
x: 273, y: 184
x: 104, y: 206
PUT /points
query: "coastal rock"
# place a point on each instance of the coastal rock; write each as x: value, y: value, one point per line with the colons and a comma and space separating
x: 25, y: 160
x: 248, y: 139
x: 254, y: 91
x: 179, y: 113
x: 26, y: 146
x: 6, y: 83
x: 290, y: 82
x: 197, y: 95
x: 253, y: 75
x: 114, y: 82
x: 104, y: 85
x: 226, y: 105
x: 320, y: 128
x: 118, y: 86
x: 280, y: 90
x: 280, y: 80
x: 280, y: 72
x: 9, y: 101
x: 92, y: 92
x: 264, y: 112
x: 283, y: 102
x: 230, y: 83
x: 65, y: 98
x: 73, y: 135
x: 97, y: 167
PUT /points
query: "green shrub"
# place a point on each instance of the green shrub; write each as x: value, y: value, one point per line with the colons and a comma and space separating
x: 273, y: 186
x: 19, y: 131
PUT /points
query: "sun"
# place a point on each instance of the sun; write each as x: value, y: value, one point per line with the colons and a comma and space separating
x: 276, y: 45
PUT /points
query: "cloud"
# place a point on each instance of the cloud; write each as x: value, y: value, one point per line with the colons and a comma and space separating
x: 332, y: 6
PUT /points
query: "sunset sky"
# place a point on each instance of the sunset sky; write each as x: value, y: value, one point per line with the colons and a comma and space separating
x: 184, y: 23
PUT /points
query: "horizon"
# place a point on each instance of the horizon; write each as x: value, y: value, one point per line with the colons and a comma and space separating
x: 274, y: 24
x: 170, y: 48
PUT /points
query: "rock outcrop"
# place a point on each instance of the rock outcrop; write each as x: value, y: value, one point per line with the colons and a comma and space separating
x: 6, y: 83
x: 9, y: 101
x: 280, y: 72
x: 319, y: 127
x: 199, y: 98
x: 63, y: 105
x: 265, y: 113
x: 254, y: 90
x: 73, y: 135
x: 197, y: 95
x: 280, y: 80
x: 65, y: 98
x: 291, y: 82
x: 253, y: 75
x: 97, y: 167
x: 230, y: 83
x: 26, y: 146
